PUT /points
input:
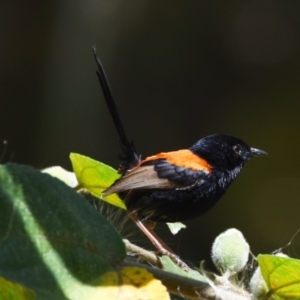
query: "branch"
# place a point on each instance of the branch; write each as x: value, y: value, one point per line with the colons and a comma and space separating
x: 217, y: 288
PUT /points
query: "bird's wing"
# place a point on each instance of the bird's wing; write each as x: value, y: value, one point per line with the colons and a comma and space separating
x: 170, y: 170
x: 141, y: 177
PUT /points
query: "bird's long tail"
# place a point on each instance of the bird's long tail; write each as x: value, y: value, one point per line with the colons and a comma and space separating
x: 129, y: 157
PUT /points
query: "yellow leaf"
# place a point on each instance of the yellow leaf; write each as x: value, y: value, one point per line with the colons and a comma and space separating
x: 11, y: 290
x: 95, y: 177
x: 132, y: 283
x: 282, y: 275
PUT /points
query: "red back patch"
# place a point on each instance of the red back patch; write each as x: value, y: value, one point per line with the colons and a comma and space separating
x: 183, y: 158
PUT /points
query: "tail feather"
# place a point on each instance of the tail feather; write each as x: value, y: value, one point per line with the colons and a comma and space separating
x: 129, y: 157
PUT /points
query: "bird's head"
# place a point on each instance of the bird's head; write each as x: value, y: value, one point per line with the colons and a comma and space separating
x: 223, y: 151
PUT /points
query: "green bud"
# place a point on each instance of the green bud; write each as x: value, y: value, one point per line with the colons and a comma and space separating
x: 230, y: 252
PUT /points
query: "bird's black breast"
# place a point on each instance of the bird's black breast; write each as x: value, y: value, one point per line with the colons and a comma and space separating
x: 174, y: 205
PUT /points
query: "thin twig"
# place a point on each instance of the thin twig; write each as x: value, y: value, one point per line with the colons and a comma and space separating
x: 146, y: 255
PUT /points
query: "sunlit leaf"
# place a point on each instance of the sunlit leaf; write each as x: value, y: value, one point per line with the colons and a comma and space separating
x: 132, y: 283
x: 282, y: 275
x: 95, y: 177
x: 69, y: 178
x: 175, y: 227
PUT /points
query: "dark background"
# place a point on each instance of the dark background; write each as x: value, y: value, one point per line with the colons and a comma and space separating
x: 179, y: 70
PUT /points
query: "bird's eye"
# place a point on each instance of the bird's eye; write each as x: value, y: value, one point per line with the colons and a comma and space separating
x: 237, y: 149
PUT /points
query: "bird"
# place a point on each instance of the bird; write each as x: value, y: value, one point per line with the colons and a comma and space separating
x: 180, y: 185
x: 173, y: 186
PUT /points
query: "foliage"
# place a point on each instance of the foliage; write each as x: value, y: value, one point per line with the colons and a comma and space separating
x: 55, y: 245
x: 282, y: 276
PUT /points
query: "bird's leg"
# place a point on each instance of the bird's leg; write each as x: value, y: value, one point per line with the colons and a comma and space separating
x: 157, y: 241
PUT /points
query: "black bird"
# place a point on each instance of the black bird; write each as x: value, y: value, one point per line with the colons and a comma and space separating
x: 178, y: 185
x: 184, y: 184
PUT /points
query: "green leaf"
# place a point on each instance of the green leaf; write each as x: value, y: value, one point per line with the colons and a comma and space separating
x: 10, y: 290
x: 282, y: 275
x: 69, y: 178
x: 52, y: 240
x: 170, y: 266
x: 95, y: 177
x: 175, y: 227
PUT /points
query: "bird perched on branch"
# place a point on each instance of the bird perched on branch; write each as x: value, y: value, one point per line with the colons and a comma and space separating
x: 177, y: 185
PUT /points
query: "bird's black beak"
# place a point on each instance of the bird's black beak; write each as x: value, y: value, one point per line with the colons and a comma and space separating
x: 256, y: 152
